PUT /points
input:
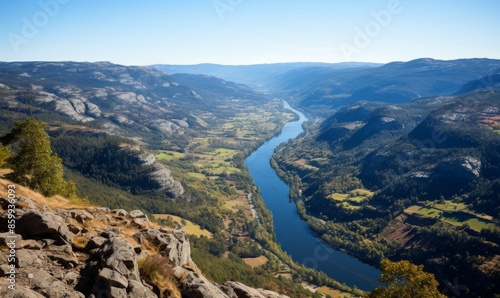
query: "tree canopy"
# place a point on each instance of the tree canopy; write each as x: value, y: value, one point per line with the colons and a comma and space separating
x: 35, y: 165
x: 405, y: 280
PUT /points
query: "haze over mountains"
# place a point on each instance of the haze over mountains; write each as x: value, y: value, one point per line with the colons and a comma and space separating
x: 325, y: 87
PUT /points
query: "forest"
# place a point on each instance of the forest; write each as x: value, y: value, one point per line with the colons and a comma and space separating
x: 384, y: 182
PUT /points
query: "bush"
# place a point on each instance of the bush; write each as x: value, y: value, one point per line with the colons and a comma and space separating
x: 158, y: 272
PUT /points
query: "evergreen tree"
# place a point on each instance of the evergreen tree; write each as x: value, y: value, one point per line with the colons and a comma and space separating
x: 35, y: 165
x: 405, y: 280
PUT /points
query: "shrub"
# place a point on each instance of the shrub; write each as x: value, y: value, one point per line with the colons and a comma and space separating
x: 158, y: 272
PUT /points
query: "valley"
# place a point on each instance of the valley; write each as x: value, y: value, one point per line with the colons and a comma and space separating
x: 392, y: 166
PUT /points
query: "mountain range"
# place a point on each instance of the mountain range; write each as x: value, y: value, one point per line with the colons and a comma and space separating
x: 400, y: 160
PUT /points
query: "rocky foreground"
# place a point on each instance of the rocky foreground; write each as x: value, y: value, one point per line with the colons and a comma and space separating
x: 98, y: 252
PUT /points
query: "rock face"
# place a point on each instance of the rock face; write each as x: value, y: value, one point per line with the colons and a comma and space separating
x: 119, y: 275
x: 96, y: 252
x: 174, y: 246
x: 466, y: 168
x: 163, y: 176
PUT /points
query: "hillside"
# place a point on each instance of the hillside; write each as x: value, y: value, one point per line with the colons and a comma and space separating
x: 71, y: 251
x: 174, y: 146
x: 416, y: 181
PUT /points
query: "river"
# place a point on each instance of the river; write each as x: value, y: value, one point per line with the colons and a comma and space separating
x: 292, y: 233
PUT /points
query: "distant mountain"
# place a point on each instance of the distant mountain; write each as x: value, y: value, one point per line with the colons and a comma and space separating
x: 95, y: 110
x: 120, y: 98
x: 321, y: 89
x: 258, y: 75
x: 489, y: 82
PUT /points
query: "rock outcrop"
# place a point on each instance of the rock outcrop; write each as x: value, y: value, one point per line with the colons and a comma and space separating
x: 97, y: 252
x: 163, y: 176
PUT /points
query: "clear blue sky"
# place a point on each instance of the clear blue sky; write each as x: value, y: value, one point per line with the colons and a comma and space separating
x: 247, y: 31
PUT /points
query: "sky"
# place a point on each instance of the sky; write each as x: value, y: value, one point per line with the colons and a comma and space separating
x: 237, y: 32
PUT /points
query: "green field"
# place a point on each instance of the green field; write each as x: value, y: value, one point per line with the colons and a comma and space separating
x: 357, y: 200
x: 191, y: 228
x: 450, y: 206
x: 453, y: 216
x: 458, y: 219
x: 339, y: 197
x: 361, y: 192
x: 347, y: 205
x: 198, y: 176
x: 353, y: 199
x: 427, y: 211
x: 169, y: 155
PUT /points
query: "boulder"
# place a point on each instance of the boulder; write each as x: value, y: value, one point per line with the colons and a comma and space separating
x: 137, y: 214
x: 50, y: 286
x: 95, y: 242
x: 175, y: 245
x: 81, y: 215
x: 243, y: 291
x: 120, y: 212
x: 7, y: 237
x: 28, y: 258
x: 271, y: 294
x: 119, y: 272
x: 194, y: 285
x: 110, y: 232
x: 44, y: 225
x: 20, y: 292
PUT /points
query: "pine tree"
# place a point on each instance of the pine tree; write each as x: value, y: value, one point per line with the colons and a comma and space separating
x: 35, y: 165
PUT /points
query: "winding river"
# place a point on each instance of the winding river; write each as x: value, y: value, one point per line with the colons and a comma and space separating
x: 292, y: 232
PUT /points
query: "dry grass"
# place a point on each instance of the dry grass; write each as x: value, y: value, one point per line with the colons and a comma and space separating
x: 332, y: 292
x: 79, y: 243
x: 255, y: 262
x: 158, y: 272
x: 54, y: 202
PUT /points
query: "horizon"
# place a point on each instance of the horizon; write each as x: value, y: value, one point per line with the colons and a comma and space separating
x: 256, y: 64
x: 239, y: 32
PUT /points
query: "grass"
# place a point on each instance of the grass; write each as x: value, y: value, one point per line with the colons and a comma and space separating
x: 56, y: 201
x: 191, y: 228
x: 169, y: 155
x: 158, y: 271
x: 425, y: 211
x: 234, y: 204
x: 357, y: 200
x: 356, y: 196
x: 198, y: 176
x: 339, y: 197
x: 347, y: 205
x: 361, y: 192
x: 450, y: 206
x: 332, y: 292
x: 452, y: 216
x: 255, y: 262
x: 475, y: 223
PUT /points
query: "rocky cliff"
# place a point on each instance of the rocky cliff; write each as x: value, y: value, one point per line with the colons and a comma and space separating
x: 62, y: 250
